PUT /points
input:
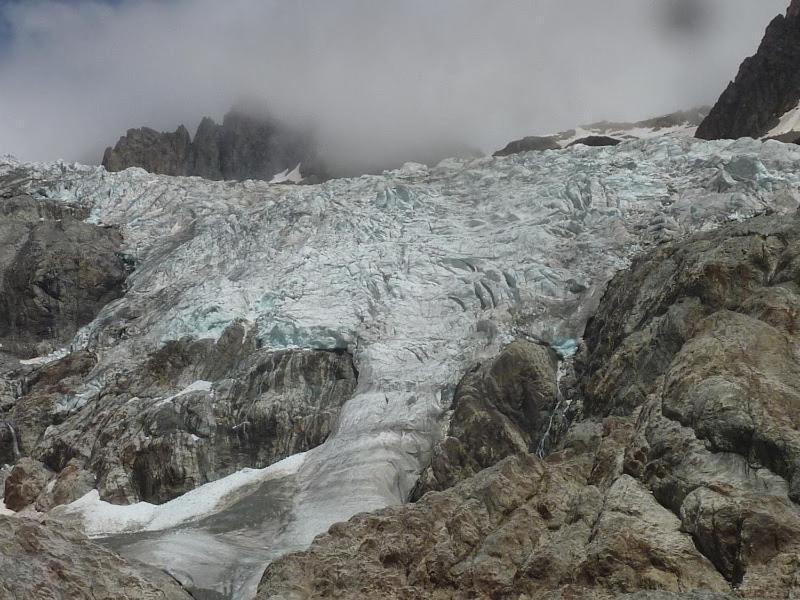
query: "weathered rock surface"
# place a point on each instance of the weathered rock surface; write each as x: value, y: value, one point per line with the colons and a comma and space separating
x: 703, y: 335
x: 195, y: 412
x: 499, y: 409
x: 26, y: 481
x: 596, y: 140
x: 56, y: 273
x: 242, y: 147
x: 48, y: 561
x: 766, y: 87
x: 524, y: 528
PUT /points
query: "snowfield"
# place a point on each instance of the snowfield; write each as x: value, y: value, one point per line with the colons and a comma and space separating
x: 419, y: 273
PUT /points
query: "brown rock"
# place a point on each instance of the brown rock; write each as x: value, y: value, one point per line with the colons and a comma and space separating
x: 49, y: 561
x: 26, y: 481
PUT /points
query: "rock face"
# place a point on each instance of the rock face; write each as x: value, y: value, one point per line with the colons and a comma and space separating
x: 242, y: 147
x: 195, y: 412
x: 56, y: 273
x: 49, y: 561
x: 701, y: 338
x: 609, y: 133
x: 157, y: 152
x: 523, y: 528
x: 766, y: 87
x: 499, y: 409
x: 680, y: 474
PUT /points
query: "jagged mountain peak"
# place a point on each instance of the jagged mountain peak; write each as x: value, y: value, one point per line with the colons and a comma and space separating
x: 246, y: 145
x: 760, y: 102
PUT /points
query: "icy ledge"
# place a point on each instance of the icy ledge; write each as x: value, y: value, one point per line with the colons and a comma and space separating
x: 419, y: 273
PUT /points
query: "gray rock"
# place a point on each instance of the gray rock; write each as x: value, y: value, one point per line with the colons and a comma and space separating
x: 56, y: 273
x: 766, y: 87
x: 499, y: 409
x: 247, y: 145
x: 148, y: 441
x: 166, y: 153
x: 698, y: 339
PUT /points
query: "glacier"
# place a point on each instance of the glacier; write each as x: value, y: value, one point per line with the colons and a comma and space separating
x: 419, y: 273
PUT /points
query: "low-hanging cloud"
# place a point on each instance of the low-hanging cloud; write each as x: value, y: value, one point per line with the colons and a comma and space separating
x: 379, y: 79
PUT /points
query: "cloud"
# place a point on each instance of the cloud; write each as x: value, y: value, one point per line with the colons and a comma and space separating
x: 380, y: 79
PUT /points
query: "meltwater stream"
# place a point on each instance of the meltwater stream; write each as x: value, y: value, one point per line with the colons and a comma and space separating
x: 418, y: 273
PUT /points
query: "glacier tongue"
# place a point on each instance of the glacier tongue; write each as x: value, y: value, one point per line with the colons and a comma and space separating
x: 419, y: 273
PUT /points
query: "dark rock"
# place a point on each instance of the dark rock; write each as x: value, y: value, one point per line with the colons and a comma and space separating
x: 165, y: 153
x: 596, y: 140
x: 766, y: 87
x: 245, y: 146
x: 528, y: 144
x: 56, y: 273
x: 499, y: 409
x: 48, y: 560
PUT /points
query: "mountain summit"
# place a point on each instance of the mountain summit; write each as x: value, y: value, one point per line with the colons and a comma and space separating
x: 242, y: 147
x: 764, y: 98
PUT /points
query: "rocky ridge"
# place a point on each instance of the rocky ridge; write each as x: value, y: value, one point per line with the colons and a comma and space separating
x: 766, y: 88
x: 244, y: 146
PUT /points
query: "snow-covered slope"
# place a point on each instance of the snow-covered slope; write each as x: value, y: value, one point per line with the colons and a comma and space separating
x: 419, y: 273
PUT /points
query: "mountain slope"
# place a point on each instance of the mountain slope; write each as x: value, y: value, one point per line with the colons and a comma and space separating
x: 247, y: 295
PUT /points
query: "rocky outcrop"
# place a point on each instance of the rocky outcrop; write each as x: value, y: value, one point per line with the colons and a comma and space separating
x: 679, y: 474
x: 56, y: 273
x: 196, y: 411
x: 242, y: 147
x: 700, y: 336
x: 596, y: 140
x: 154, y: 151
x: 766, y: 87
x: 523, y: 528
x: 610, y: 133
x: 528, y: 144
x: 499, y: 409
x: 47, y: 560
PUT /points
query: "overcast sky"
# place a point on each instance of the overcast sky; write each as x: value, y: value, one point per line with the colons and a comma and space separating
x: 375, y: 76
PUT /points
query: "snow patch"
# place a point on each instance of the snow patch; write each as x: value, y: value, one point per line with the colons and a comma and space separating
x: 46, y: 359
x: 100, y: 518
x: 197, y: 386
x: 789, y: 122
x: 293, y: 176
